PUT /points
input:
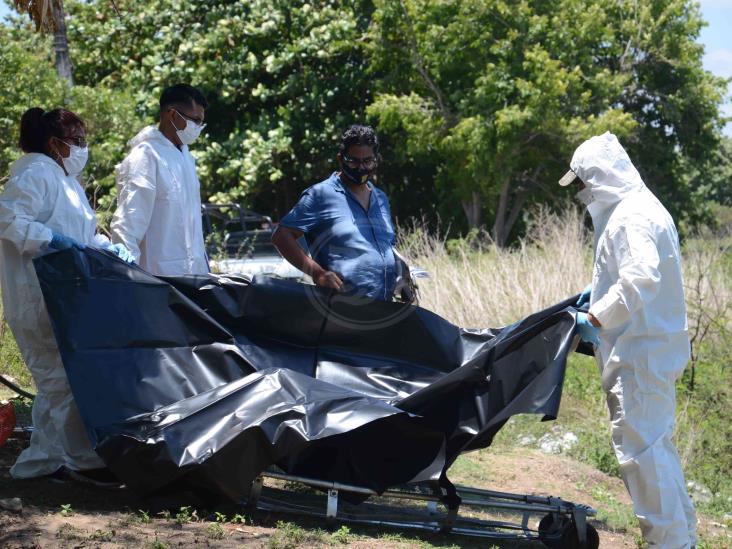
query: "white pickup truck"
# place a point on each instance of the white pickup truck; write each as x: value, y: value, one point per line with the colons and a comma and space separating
x: 239, y: 241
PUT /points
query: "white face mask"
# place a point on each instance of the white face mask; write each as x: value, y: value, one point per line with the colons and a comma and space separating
x: 75, y: 162
x: 191, y: 131
x: 585, y: 196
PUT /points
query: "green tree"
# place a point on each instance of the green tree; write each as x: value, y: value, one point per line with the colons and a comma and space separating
x: 283, y: 78
x: 49, y: 16
x: 675, y: 102
x: 720, y: 174
x: 27, y: 79
x: 501, y: 92
x: 480, y: 103
x: 110, y: 115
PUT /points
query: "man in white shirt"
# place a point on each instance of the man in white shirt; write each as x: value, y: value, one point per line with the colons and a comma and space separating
x: 158, y: 215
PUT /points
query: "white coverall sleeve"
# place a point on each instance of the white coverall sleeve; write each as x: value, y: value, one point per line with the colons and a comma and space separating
x: 20, y: 205
x: 634, y: 250
x: 136, y: 181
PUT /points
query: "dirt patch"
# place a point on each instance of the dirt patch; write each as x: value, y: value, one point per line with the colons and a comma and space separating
x: 526, y: 471
x: 75, y: 515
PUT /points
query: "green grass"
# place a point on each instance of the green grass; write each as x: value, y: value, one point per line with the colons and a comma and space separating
x: 616, y: 515
x: 186, y: 514
x: 704, y: 414
x: 68, y: 532
x: 102, y: 535
x: 703, y: 435
x: 704, y: 424
x: 156, y: 544
x: 11, y: 363
x: 411, y: 542
x: 215, y: 531
x: 290, y: 535
x: 582, y: 412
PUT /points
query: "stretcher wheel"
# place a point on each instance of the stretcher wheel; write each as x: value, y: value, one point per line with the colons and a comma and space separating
x: 570, y: 540
x: 551, y: 528
x: 561, y: 533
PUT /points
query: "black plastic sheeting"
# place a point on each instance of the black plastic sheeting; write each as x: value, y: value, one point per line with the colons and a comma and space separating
x: 202, y: 382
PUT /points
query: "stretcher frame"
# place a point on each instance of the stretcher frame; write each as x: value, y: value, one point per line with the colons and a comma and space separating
x: 558, y: 515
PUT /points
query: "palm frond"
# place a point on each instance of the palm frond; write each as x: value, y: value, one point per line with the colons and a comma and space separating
x: 40, y: 12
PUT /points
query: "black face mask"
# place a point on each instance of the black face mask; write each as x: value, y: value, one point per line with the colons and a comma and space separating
x: 358, y: 175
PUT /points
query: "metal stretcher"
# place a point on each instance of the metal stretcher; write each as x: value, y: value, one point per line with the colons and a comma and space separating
x: 481, y: 513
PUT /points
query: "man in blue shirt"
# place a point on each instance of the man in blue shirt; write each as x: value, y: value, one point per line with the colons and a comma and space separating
x: 347, y: 225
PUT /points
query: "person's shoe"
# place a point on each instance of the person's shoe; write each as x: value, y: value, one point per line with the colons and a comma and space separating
x: 102, y: 477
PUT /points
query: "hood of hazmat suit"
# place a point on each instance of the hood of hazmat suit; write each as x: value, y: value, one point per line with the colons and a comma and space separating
x: 638, y: 297
x: 158, y: 215
x: 40, y: 199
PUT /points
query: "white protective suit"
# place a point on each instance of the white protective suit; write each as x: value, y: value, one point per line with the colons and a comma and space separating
x: 638, y: 297
x: 158, y: 215
x: 40, y: 198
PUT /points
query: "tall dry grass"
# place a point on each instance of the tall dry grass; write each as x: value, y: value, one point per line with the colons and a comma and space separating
x: 474, y: 283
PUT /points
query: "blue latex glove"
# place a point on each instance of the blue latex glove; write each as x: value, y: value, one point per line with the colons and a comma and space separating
x: 122, y: 252
x: 62, y: 242
x: 584, y: 296
x: 587, y: 332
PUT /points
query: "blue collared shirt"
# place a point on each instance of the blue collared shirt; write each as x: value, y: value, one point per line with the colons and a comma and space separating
x: 345, y: 238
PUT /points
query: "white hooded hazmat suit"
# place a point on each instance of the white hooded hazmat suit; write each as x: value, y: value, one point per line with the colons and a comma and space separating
x: 638, y: 297
x: 158, y: 215
x: 38, y: 199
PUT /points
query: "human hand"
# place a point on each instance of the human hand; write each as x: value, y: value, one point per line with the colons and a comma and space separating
x: 122, y: 252
x: 588, y: 332
x: 584, y: 297
x: 63, y: 242
x: 328, y: 279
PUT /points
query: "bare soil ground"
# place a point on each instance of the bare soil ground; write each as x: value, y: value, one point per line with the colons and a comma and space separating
x: 72, y: 514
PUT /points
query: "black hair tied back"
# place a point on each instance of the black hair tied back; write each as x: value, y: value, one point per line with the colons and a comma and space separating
x: 38, y: 126
x: 34, y: 131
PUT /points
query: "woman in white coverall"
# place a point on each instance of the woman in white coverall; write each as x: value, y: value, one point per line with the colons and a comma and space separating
x: 43, y: 207
x: 637, y: 303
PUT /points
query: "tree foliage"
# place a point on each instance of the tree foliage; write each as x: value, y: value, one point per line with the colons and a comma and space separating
x: 479, y: 103
x: 718, y: 175
x: 503, y: 91
x: 283, y: 79
x: 41, y: 12
x: 27, y: 79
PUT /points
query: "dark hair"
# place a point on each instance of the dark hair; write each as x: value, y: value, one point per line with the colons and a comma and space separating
x: 359, y: 135
x: 37, y: 127
x: 182, y: 94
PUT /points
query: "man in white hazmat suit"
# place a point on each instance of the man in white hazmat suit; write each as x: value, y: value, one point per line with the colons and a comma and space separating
x: 637, y: 302
x: 158, y: 215
x: 43, y: 208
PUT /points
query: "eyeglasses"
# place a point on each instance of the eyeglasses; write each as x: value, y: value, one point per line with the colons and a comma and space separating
x: 198, y: 121
x: 368, y: 162
x: 73, y: 140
